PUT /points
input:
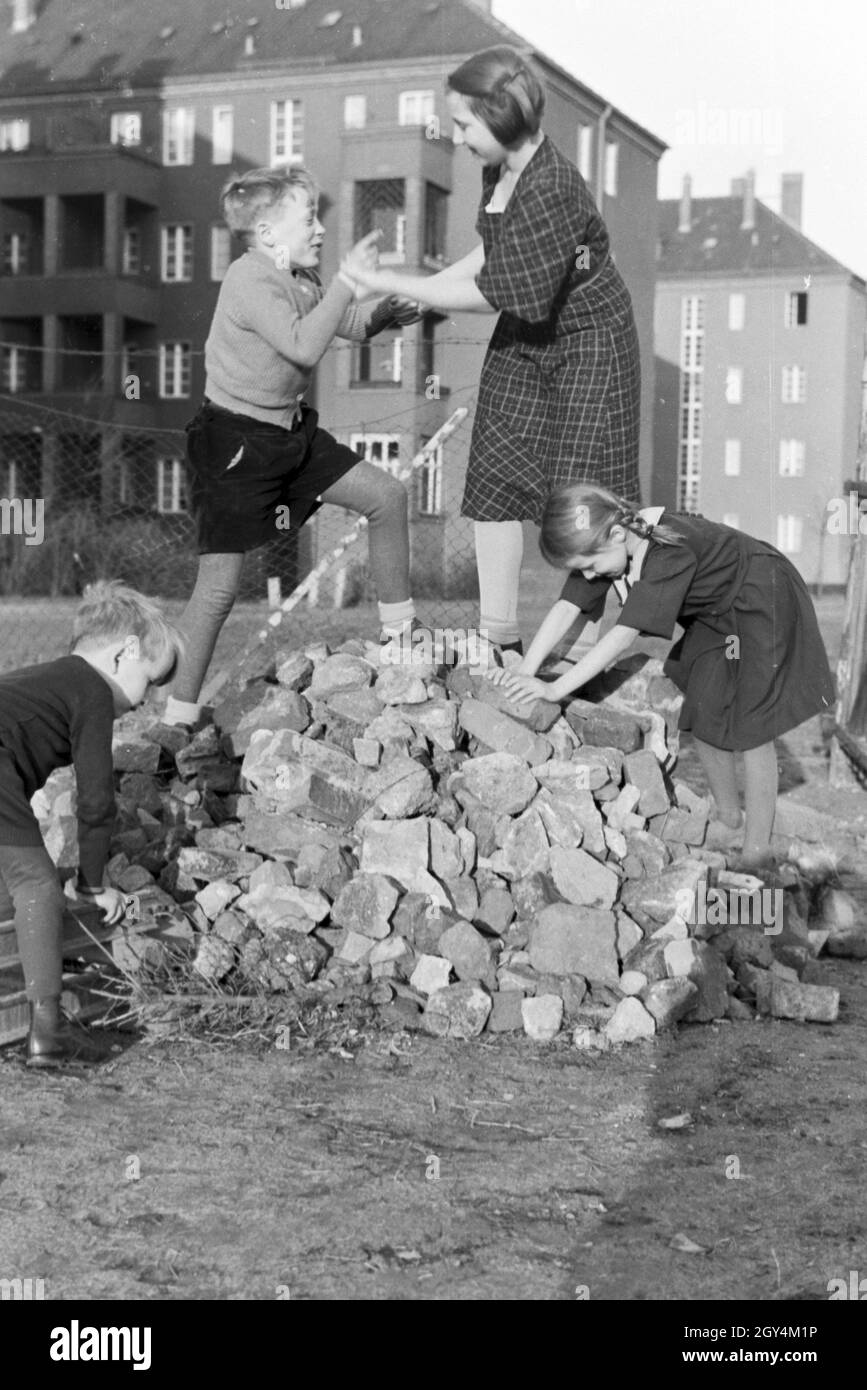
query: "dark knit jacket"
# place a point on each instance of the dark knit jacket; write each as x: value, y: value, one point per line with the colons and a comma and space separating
x: 53, y: 715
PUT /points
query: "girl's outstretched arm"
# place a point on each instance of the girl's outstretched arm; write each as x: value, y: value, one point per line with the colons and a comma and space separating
x: 452, y: 289
x: 616, y: 641
x: 557, y: 622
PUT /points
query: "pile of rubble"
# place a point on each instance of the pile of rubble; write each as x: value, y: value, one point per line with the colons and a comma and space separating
x: 411, y: 835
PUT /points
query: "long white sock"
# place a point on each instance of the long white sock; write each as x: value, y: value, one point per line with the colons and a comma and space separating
x: 499, y: 555
x: 396, y: 617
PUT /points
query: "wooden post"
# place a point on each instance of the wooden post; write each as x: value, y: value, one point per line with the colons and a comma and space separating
x: 851, y: 672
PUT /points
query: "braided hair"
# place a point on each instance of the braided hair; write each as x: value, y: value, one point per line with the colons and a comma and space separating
x: 578, y: 520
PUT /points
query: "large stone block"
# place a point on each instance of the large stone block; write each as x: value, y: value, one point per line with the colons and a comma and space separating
x: 568, y: 940
x: 500, y: 781
x: 581, y: 879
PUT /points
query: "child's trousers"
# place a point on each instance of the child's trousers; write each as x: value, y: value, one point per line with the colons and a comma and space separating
x: 31, y: 895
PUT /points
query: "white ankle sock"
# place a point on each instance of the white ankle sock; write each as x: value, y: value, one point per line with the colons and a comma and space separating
x: 180, y: 711
x: 396, y: 617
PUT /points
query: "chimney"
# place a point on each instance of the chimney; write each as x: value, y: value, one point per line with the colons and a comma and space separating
x: 685, y: 223
x: 737, y: 188
x: 749, y: 220
x: 23, y: 15
x: 792, y: 192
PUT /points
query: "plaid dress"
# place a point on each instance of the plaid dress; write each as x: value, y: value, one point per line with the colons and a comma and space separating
x: 560, y: 387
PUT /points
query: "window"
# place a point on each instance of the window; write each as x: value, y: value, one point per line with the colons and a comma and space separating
x: 380, y: 361
x: 16, y: 253
x: 691, y: 395
x: 177, y: 252
x: 731, y: 519
x: 131, y: 251
x: 585, y: 152
x: 692, y: 333
x: 354, y: 112
x: 430, y: 484
x: 126, y: 127
x: 175, y: 370
x: 221, y: 252
x: 415, y: 108
x: 611, y: 153
x: 796, y: 309
x: 734, y: 385
x: 13, y: 368
x: 179, y: 129
x: 381, y: 203
x: 222, y: 127
x: 737, y: 312
x: 789, y: 534
x: 793, y: 454
x: 733, y: 458
x: 794, y: 385
x: 14, y: 135
x: 381, y: 449
x: 170, y: 485
x: 287, y: 131
x: 435, y: 209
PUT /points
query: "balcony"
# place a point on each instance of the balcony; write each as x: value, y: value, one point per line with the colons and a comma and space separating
x: 397, y: 152
x: 70, y: 169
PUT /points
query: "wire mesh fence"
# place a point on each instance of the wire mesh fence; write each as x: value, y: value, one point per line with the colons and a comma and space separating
x: 83, y: 499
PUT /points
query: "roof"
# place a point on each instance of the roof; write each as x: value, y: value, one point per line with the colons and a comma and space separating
x: 716, y: 245
x: 107, y: 45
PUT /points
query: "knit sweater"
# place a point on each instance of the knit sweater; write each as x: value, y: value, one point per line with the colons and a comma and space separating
x: 269, y: 330
x: 51, y: 715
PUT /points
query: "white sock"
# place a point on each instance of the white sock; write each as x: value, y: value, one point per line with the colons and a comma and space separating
x: 180, y: 711
x: 395, y: 618
x: 499, y: 555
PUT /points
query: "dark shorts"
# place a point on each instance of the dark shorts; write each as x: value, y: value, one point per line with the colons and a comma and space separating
x: 251, y: 482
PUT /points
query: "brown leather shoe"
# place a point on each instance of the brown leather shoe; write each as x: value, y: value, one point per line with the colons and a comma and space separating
x: 54, y: 1041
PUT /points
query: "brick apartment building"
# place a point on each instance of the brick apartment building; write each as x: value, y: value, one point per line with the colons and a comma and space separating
x: 760, y: 343
x: 119, y: 123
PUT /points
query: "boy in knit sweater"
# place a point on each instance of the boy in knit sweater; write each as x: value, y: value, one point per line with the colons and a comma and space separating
x: 53, y: 715
x: 258, y: 464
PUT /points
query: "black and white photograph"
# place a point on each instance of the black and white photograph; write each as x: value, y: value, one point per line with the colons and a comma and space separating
x: 433, y: 670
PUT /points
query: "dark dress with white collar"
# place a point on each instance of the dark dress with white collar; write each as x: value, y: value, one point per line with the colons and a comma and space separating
x: 751, y: 661
x: 559, y: 393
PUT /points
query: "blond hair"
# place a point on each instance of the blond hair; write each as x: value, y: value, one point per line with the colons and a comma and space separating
x: 110, y: 611
x: 578, y: 518
x: 245, y: 198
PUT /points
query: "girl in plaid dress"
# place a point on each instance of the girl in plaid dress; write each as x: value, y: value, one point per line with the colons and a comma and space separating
x: 751, y: 661
x: 559, y: 394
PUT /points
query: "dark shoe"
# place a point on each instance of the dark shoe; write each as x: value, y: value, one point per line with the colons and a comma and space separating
x: 53, y: 1041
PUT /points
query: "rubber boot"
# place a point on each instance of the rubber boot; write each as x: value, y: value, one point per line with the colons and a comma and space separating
x: 53, y: 1041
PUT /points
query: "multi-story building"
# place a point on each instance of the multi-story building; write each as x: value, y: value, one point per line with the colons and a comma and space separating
x: 759, y: 350
x: 118, y: 126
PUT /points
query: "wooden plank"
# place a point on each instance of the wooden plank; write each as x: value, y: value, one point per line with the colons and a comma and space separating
x: 75, y: 939
x: 15, y: 1015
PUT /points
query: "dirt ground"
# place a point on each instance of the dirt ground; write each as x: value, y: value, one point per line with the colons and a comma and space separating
x: 383, y: 1165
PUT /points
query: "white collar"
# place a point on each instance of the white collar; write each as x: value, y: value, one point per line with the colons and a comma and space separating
x: 633, y: 570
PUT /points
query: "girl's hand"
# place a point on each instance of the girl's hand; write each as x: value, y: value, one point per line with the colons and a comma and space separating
x: 525, y: 689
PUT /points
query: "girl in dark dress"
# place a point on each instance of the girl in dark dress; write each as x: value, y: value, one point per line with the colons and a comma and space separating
x: 559, y: 394
x: 751, y: 661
